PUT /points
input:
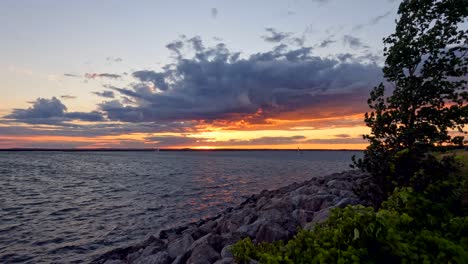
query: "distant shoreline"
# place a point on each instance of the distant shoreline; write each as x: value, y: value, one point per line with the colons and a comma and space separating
x: 155, y: 150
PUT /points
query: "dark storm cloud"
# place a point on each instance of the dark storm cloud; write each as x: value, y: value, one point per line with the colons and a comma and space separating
x: 50, y: 111
x: 353, y: 42
x: 93, y: 116
x: 94, y: 130
x: 67, y: 97
x: 217, y: 84
x: 105, y: 94
x: 102, y: 75
x: 158, y: 79
x: 275, y: 36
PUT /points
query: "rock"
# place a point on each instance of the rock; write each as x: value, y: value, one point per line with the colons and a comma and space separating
x: 114, y: 261
x: 180, y: 247
x: 319, y: 217
x: 337, y: 184
x: 302, y: 216
x: 226, y: 252
x: 182, y: 259
x: 213, y: 240
x: 195, y: 232
x: 208, y: 226
x: 267, y: 216
x: 225, y: 261
x: 203, y: 254
x: 346, y: 201
x: 271, y: 232
x: 159, y: 258
x: 155, y: 246
x: 312, y: 203
x: 134, y: 255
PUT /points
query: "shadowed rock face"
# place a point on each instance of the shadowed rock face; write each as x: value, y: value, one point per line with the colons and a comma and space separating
x: 267, y: 216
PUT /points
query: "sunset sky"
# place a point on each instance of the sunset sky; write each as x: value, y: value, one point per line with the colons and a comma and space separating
x: 199, y: 74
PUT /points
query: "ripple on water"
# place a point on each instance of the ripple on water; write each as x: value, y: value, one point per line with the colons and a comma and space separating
x: 68, y: 207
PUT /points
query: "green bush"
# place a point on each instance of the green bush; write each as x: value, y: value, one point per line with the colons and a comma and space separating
x: 359, y: 234
x: 423, y: 226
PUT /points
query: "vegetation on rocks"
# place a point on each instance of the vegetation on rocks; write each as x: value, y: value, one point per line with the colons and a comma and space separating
x: 426, y: 226
x: 420, y: 203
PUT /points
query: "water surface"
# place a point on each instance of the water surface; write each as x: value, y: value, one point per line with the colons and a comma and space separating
x: 69, y: 207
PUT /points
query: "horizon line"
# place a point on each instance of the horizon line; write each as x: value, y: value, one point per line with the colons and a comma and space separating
x: 168, y: 149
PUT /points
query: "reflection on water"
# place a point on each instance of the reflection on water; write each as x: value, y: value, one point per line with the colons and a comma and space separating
x: 71, y: 206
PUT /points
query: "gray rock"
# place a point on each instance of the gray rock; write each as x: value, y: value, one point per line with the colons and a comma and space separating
x: 225, y: 261
x: 346, y: 201
x: 114, y: 261
x: 135, y: 255
x: 312, y: 203
x: 159, y: 258
x: 336, y: 184
x: 267, y: 216
x: 302, y: 216
x: 180, y: 246
x: 319, y: 217
x: 208, y: 226
x: 203, y: 254
x: 154, y: 247
x: 271, y: 232
x: 213, y: 240
x: 226, y: 252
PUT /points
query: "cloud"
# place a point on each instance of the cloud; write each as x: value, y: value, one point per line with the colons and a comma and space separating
x: 113, y: 59
x: 327, y: 42
x: 105, y: 94
x: 266, y: 141
x: 71, y: 75
x: 93, y: 116
x: 158, y: 79
x: 340, y: 141
x: 373, y: 21
x: 342, y: 136
x: 377, y: 19
x: 166, y: 141
x: 50, y: 111
x: 102, y: 75
x: 321, y: 1
x: 67, y: 97
x: 217, y: 84
x: 353, y: 42
x: 275, y: 36
x: 214, y: 12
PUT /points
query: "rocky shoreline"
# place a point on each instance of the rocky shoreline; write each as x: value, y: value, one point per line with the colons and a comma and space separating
x: 267, y: 216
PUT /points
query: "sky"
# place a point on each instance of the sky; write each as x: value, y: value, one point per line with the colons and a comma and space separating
x: 189, y: 74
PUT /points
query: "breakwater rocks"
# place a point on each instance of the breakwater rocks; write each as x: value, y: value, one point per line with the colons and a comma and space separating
x: 267, y: 216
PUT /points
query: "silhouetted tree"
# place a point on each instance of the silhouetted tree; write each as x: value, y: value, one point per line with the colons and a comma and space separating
x: 426, y: 66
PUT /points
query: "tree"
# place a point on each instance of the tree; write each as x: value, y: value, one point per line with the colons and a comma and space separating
x: 426, y: 65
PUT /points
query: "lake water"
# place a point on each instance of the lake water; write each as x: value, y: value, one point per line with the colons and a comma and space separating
x: 69, y: 207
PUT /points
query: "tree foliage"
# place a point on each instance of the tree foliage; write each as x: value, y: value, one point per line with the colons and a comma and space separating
x: 426, y: 66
